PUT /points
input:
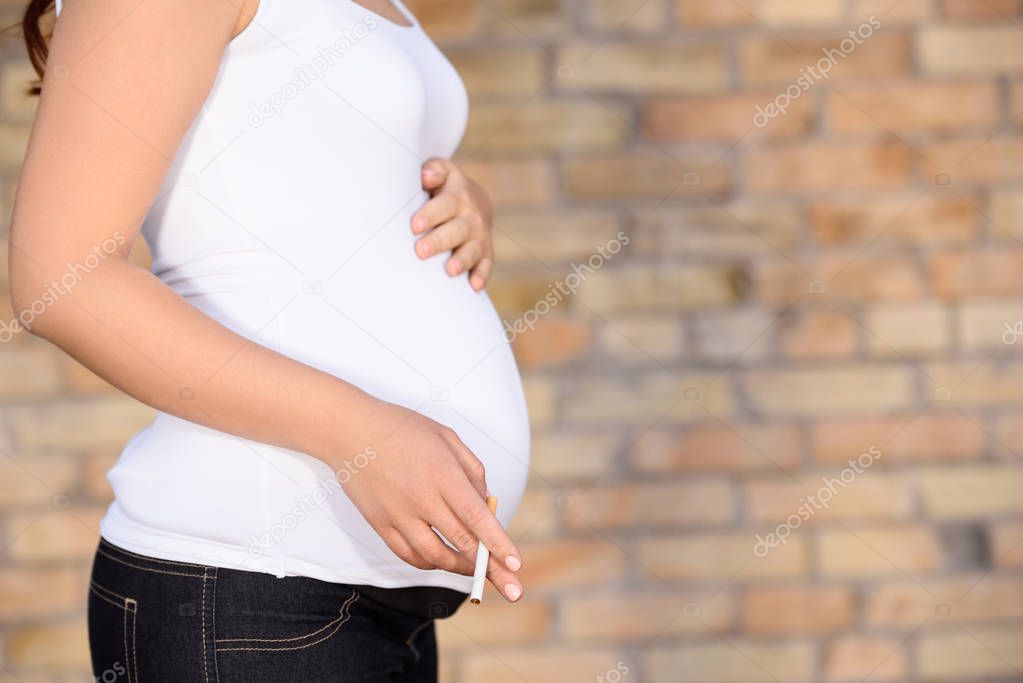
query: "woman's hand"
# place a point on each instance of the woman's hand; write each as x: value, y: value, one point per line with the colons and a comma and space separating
x: 457, y: 218
x: 423, y: 476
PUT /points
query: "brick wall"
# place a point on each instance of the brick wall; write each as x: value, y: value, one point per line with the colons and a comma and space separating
x: 741, y: 305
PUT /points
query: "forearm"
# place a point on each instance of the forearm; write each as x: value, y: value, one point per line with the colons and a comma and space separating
x: 129, y: 328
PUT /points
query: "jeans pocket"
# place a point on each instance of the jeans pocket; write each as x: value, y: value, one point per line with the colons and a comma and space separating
x: 112, y: 631
x: 288, y: 632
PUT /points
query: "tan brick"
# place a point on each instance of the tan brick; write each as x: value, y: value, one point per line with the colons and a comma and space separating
x: 647, y: 397
x: 554, y: 341
x: 904, y: 220
x: 543, y: 126
x: 18, y: 106
x: 878, y: 551
x: 627, y: 16
x: 976, y: 159
x: 969, y: 599
x: 56, y: 534
x: 40, y: 592
x: 644, y: 616
x: 970, y: 384
x: 1007, y: 544
x: 540, y: 399
x: 573, y: 457
x: 735, y: 447
x: 500, y: 70
x: 99, y: 422
x: 534, y: 18
x: 865, y: 278
x: 646, y: 175
x: 727, y: 118
x: 13, y: 142
x: 732, y: 661
x: 971, y: 654
x: 642, y: 338
x: 94, y: 476
x: 909, y: 438
x: 1006, y: 213
x: 532, y: 235
x: 777, y: 610
x: 777, y: 60
x: 680, y: 288
x: 907, y: 329
x: 971, y: 492
x: 820, y: 166
x: 957, y: 274
x: 63, y: 646
x: 514, y: 293
x: 28, y: 371
x: 645, y: 67
x: 536, y: 519
x: 504, y: 665
x: 990, y: 324
x: 500, y: 623
x: 703, y: 14
x: 830, y: 391
x: 785, y: 13
x: 904, y: 12
x: 448, y: 19
x: 679, y: 504
x: 821, y: 333
x: 513, y: 183
x: 991, y: 9
x: 559, y: 564
x: 734, y: 229
x: 720, y: 557
x: 823, y: 496
x: 905, y: 106
x: 35, y: 481
x: 856, y: 658
x: 737, y: 336
x: 952, y: 50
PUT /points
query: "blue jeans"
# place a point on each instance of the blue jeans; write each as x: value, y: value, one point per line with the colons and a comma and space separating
x: 153, y: 620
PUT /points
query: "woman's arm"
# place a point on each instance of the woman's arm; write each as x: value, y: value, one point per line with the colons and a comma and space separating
x: 123, y: 84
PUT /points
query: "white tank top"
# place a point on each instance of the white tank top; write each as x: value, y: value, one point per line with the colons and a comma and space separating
x: 286, y: 217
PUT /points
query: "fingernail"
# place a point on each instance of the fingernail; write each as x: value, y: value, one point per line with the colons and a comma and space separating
x: 423, y: 248
x: 513, y: 563
x: 513, y: 592
x: 419, y: 224
x: 456, y: 268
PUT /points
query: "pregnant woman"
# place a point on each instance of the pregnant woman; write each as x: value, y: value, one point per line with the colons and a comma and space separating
x: 330, y: 379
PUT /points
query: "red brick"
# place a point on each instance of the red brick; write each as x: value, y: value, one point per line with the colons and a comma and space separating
x: 908, y: 438
x: 552, y: 342
x: 957, y: 274
x: 779, y: 61
x: 818, y: 334
x: 856, y: 658
x: 990, y: 9
x: 906, y: 220
x: 698, y: 13
x: 905, y: 106
x: 726, y: 118
x: 735, y: 447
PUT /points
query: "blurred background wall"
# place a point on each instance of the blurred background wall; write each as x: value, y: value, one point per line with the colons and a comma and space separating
x: 740, y: 300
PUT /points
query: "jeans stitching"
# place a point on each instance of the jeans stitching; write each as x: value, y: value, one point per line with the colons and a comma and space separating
x: 99, y: 591
x: 343, y: 616
x: 147, y: 569
x: 205, y: 667
x: 119, y: 549
x: 134, y: 640
x: 415, y: 632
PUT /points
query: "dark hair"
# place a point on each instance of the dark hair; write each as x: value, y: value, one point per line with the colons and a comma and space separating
x: 36, y: 41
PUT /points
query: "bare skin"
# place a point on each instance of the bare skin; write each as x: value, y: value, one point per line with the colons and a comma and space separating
x: 115, y: 107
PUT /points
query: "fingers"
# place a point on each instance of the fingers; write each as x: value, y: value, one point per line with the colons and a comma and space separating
x: 503, y: 579
x: 435, y: 172
x: 436, y: 211
x: 471, y: 466
x: 464, y: 258
x: 435, y: 553
x: 480, y: 275
x: 446, y: 237
x: 473, y: 512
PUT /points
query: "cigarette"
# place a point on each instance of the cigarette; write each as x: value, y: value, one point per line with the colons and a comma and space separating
x: 479, y: 577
